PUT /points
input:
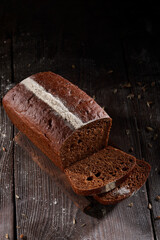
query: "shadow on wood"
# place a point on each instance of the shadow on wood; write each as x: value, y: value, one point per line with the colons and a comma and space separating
x: 87, y: 204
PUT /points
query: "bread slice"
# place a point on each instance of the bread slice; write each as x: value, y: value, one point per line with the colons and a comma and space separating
x: 100, y: 172
x: 129, y: 186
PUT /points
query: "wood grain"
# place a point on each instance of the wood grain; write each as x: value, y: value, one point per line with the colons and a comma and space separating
x: 37, y: 215
x: 82, y: 41
x: 122, y: 111
x: 49, y: 212
x: 48, y: 166
x: 6, y: 147
x: 147, y: 115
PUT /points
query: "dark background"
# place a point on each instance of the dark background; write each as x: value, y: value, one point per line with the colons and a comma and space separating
x: 106, y: 18
x: 110, y: 49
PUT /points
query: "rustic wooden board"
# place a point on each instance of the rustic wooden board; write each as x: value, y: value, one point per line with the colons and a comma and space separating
x: 49, y: 167
x: 7, y: 223
x: 147, y: 115
x: 82, y: 42
x: 37, y: 215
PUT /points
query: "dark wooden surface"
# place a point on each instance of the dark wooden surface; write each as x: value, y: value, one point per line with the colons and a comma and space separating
x: 99, y: 47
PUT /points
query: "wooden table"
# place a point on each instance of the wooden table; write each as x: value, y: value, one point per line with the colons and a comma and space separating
x: 112, y: 54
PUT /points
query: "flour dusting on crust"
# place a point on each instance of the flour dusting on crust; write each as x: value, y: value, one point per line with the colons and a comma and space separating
x: 54, y: 102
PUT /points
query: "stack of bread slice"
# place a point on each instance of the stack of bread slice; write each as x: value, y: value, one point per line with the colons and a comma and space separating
x: 129, y: 186
x: 73, y: 131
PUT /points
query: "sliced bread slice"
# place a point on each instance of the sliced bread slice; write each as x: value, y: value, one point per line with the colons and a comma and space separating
x: 100, y: 172
x: 129, y: 186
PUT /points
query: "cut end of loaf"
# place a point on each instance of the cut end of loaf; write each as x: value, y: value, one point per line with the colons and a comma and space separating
x: 100, y: 172
x: 129, y: 186
x: 90, y: 138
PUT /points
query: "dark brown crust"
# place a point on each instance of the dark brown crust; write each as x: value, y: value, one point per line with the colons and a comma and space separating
x: 30, y: 118
x: 36, y: 114
x: 98, y: 190
x: 36, y: 136
x: 77, y: 101
x: 109, y: 198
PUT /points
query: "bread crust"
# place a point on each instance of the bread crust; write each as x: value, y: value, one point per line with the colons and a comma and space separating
x: 41, y: 124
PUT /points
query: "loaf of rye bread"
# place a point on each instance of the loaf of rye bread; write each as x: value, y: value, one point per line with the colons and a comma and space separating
x: 100, y: 172
x: 129, y: 186
x: 58, y: 117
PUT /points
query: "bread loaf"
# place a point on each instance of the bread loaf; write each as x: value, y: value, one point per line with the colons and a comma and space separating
x: 58, y: 117
x: 100, y: 172
x: 129, y: 186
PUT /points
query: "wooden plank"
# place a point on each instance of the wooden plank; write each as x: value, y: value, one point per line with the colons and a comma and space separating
x: 37, y: 215
x: 48, y: 166
x: 49, y: 212
x: 147, y: 115
x: 6, y: 147
x: 122, y: 111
